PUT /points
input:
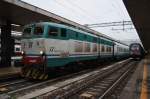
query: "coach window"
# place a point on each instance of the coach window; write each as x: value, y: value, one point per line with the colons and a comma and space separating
x: 110, y: 49
x: 103, y: 48
x: 53, y: 31
x: 38, y: 30
x: 63, y: 33
x: 94, y: 47
x: 87, y: 47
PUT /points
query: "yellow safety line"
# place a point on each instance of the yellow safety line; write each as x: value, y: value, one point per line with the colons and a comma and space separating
x: 144, y: 91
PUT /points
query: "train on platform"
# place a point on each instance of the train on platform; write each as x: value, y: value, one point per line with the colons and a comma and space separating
x: 137, y: 51
x: 47, y: 45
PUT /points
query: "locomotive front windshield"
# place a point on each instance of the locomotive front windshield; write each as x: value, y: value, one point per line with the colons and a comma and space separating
x: 135, y: 47
x: 35, y: 30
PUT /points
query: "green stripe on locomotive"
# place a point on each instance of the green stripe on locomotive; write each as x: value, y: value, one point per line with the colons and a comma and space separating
x: 57, y: 62
x: 53, y: 62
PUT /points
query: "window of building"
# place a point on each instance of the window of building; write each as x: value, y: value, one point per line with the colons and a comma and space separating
x: 53, y: 31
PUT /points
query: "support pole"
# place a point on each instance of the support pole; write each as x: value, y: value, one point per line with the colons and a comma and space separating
x: 7, y: 44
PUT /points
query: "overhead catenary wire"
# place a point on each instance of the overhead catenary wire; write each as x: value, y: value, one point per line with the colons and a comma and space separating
x: 81, y: 9
x: 116, y: 9
x: 72, y: 10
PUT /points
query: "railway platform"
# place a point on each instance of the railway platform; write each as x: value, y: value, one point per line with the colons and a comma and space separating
x: 9, y: 71
x: 138, y: 87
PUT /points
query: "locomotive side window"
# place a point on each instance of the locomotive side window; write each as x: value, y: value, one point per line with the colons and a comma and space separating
x: 38, y: 30
x: 63, y: 33
x: 53, y: 31
x: 77, y: 35
x: 27, y: 31
x: 87, y: 47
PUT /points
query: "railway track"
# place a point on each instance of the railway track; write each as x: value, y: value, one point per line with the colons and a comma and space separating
x: 106, y: 75
x: 106, y: 88
x: 65, y: 86
x: 21, y: 86
x: 60, y: 87
x: 16, y: 84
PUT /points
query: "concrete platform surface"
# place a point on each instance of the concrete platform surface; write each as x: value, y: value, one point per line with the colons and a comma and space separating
x: 138, y: 87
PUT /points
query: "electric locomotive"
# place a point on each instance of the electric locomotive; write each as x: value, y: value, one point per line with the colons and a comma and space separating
x: 47, y: 45
x: 136, y: 51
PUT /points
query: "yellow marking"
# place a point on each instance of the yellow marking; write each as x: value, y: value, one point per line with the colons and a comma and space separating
x: 34, y: 72
x: 41, y: 77
x: 28, y: 73
x: 144, y: 90
x: 46, y: 76
x: 35, y: 75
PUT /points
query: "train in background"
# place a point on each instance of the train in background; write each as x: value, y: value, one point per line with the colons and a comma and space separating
x: 16, y: 59
x: 137, y: 51
x: 47, y: 46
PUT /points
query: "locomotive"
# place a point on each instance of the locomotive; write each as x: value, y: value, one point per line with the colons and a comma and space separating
x: 136, y: 51
x: 47, y: 45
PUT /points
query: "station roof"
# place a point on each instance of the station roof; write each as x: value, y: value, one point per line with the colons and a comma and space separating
x: 22, y: 13
x: 140, y: 15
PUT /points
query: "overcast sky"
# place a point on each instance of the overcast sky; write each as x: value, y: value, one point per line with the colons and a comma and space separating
x: 90, y: 12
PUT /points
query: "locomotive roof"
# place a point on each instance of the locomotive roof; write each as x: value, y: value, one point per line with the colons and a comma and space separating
x: 77, y: 29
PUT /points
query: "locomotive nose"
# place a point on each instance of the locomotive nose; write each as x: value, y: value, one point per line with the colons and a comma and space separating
x: 33, y: 46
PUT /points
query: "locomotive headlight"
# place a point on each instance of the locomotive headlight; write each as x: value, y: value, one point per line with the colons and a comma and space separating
x: 41, y: 52
x: 22, y: 52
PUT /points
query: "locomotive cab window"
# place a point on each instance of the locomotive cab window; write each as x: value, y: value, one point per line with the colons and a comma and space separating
x: 63, y: 33
x: 38, y: 30
x: 27, y: 31
x: 53, y: 31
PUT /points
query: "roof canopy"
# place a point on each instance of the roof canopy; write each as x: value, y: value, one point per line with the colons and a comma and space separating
x: 139, y: 11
